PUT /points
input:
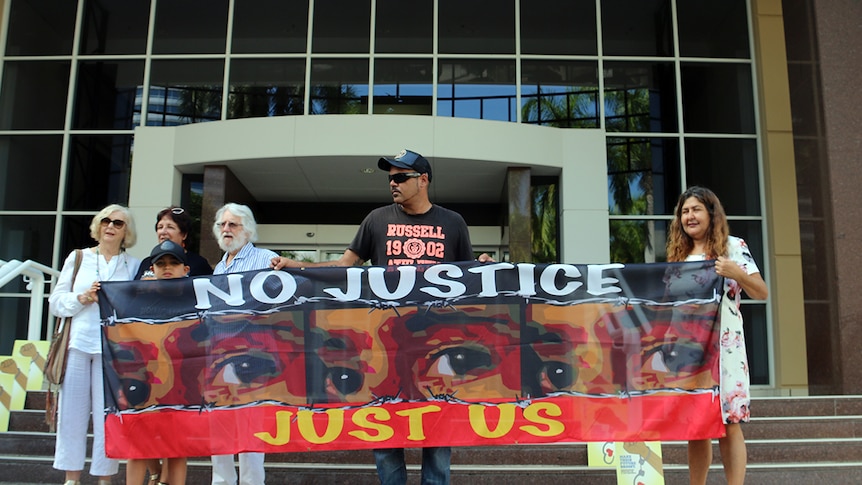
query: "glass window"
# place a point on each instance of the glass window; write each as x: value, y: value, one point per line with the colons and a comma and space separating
x: 75, y: 233
x: 114, y: 27
x: 14, y: 315
x: 103, y: 161
x: 713, y: 29
x: 482, y: 89
x: 303, y: 255
x: 638, y: 241
x: 33, y: 95
x: 816, y: 241
x: 342, y: 26
x: 799, y: 32
x: 717, y: 98
x: 339, y: 86
x: 756, y: 342
x: 821, y: 348
x: 190, y: 26
x: 43, y: 28
x: 752, y: 233
x: 184, y: 91
x: 106, y: 95
x: 640, y: 28
x: 640, y: 96
x: 560, y: 93
x: 266, y: 87
x: 27, y: 237
x: 729, y: 168
x: 544, y: 210
x: 811, y: 179
x: 403, y: 86
x: 267, y: 26
x: 476, y: 27
x: 393, y: 34
x: 804, y: 103
x: 643, y: 175
x: 551, y: 27
x: 21, y: 158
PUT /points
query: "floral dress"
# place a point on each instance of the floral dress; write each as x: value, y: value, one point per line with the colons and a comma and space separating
x: 734, y: 384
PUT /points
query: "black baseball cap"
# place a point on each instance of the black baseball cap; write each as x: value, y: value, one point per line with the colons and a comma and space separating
x: 168, y: 247
x: 406, y: 159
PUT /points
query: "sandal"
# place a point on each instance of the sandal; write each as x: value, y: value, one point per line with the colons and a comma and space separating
x: 154, y: 479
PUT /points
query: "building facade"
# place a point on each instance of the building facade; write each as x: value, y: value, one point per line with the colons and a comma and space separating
x: 563, y: 131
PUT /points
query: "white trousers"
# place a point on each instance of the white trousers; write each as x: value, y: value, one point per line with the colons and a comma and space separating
x: 81, y: 395
x: 250, y: 469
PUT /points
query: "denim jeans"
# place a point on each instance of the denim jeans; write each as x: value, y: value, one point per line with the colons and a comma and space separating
x: 392, y: 469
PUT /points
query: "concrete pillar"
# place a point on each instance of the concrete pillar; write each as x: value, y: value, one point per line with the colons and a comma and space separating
x: 220, y: 187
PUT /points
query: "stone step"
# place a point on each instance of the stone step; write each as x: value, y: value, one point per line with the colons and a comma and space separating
x: 32, y: 472
x: 32, y: 444
x: 806, y: 406
x: 790, y: 440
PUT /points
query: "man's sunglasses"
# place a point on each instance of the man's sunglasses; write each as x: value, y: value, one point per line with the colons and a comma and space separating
x: 118, y: 223
x: 400, y: 178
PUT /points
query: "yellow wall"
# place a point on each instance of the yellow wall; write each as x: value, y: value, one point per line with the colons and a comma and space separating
x: 784, y: 253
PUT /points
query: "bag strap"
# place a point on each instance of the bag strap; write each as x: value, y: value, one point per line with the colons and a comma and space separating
x: 79, y: 256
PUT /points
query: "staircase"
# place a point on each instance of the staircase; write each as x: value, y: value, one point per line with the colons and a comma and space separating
x: 790, y: 441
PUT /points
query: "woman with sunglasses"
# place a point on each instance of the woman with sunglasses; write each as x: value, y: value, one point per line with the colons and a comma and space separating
x: 175, y: 224
x: 82, y: 390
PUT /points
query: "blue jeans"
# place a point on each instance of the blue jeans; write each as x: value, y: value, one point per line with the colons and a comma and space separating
x: 392, y: 470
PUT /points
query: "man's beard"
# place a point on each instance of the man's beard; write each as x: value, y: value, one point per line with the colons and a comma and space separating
x: 236, y: 243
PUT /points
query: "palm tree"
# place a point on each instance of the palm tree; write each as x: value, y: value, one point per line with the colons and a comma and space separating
x: 576, y: 108
x: 543, y: 222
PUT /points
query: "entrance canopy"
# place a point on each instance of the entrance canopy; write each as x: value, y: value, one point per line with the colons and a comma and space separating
x: 333, y: 158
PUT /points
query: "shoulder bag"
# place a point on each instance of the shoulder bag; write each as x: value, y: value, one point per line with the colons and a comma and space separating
x: 58, y: 353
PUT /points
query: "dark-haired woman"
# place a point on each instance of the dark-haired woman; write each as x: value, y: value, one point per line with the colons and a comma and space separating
x: 174, y: 223
x: 699, y: 231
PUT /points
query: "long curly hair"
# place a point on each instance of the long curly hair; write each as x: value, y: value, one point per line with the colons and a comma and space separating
x: 680, y: 244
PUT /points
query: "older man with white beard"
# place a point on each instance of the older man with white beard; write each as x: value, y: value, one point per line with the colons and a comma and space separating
x: 236, y: 231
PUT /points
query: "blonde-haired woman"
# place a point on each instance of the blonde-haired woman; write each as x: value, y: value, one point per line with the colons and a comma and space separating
x: 82, y: 390
x: 699, y: 231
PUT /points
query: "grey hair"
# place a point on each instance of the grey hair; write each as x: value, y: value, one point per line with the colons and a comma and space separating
x: 249, y: 225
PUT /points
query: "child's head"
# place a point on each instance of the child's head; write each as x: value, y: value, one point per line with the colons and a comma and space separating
x: 169, y: 261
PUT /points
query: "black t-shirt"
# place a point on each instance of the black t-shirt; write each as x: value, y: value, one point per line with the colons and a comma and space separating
x: 390, y: 237
x: 198, y: 266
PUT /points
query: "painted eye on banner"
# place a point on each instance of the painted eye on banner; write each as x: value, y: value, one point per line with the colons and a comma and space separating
x: 346, y: 381
x: 560, y: 374
x: 136, y: 391
x: 245, y: 369
x: 460, y: 361
x: 414, y: 248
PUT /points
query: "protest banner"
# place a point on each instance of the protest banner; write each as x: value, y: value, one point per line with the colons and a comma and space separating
x: 463, y: 354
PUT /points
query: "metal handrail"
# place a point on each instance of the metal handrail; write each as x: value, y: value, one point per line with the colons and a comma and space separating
x: 34, y: 275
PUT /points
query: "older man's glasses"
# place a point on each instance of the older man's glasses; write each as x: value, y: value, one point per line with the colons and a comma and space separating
x: 400, y: 178
x: 230, y: 225
x: 118, y: 223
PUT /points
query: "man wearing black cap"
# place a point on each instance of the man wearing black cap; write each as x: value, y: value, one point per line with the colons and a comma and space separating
x: 169, y: 260
x: 410, y: 231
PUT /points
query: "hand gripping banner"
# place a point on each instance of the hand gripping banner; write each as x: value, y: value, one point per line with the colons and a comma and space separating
x: 463, y: 354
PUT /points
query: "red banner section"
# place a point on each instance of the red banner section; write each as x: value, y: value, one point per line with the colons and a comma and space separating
x: 275, y: 428
x: 444, y: 355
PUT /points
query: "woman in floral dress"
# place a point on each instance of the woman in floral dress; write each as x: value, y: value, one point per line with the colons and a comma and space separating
x: 699, y: 231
